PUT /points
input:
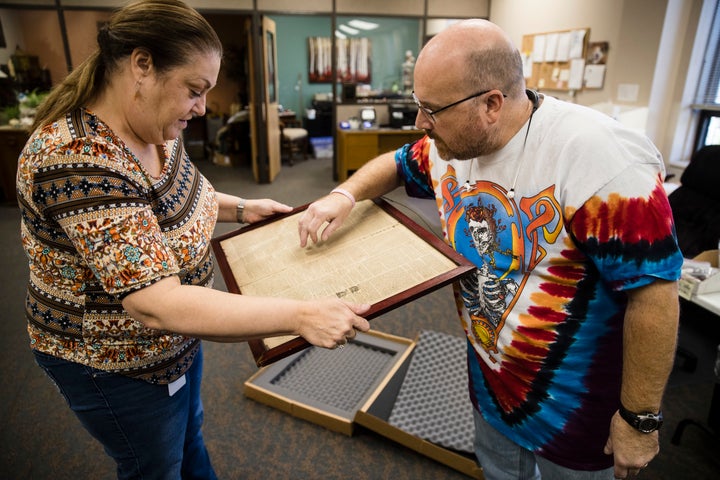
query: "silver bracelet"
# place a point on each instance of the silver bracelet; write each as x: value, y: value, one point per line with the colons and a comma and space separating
x: 240, y: 210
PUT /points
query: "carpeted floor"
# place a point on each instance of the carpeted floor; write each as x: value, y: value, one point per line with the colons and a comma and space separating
x: 248, y: 440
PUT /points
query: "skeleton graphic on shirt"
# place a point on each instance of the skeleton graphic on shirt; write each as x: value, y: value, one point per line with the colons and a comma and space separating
x: 486, y: 295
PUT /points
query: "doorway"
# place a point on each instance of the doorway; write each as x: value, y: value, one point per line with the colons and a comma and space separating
x: 246, y: 93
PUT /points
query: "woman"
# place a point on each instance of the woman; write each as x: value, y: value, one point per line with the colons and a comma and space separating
x: 116, y: 223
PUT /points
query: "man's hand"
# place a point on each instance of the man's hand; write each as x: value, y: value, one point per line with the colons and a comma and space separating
x: 332, y: 209
x: 632, y: 450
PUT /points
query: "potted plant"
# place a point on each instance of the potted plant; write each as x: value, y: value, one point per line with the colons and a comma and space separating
x: 9, y: 113
x: 28, y: 103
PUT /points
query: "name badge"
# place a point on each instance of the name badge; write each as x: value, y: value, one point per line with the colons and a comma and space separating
x: 173, y: 387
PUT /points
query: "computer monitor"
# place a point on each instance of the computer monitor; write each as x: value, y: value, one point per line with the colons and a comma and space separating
x: 368, y: 114
x: 349, y: 92
x: 402, y: 114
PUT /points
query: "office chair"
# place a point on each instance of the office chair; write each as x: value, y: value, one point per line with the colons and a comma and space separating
x: 293, y: 139
x: 696, y: 211
x: 696, y: 203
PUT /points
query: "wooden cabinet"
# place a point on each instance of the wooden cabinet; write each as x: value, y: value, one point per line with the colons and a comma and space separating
x: 12, y: 141
x: 357, y: 147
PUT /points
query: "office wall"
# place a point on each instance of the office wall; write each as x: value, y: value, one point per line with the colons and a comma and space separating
x: 635, y: 29
x: 12, y: 34
x: 651, y: 45
x: 48, y: 46
x: 632, y: 27
x: 440, y: 8
x: 292, y: 56
x: 672, y: 123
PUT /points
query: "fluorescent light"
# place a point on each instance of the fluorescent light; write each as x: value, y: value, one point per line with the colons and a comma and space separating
x: 349, y: 30
x: 363, y: 25
x: 340, y: 34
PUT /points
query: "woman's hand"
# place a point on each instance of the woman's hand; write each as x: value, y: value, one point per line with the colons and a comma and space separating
x: 260, y: 209
x: 331, y: 323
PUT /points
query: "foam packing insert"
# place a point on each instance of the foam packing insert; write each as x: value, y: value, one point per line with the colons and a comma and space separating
x: 433, y: 402
x: 336, y: 387
x: 338, y: 381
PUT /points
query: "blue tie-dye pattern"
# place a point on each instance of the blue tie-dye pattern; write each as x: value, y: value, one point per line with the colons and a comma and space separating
x: 541, y: 421
x: 416, y: 185
x: 538, y: 428
x: 624, y: 274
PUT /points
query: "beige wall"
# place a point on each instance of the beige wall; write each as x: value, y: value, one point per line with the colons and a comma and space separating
x: 633, y: 49
x: 651, y: 44
x: 672, y: 122
x: 48, y: 46
x: 82, y: 32
x: 648, y: 48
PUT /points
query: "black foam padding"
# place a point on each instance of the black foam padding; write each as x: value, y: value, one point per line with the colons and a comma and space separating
x: 433, y: 402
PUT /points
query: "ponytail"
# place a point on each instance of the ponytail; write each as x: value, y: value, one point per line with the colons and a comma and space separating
x: 169, y: 29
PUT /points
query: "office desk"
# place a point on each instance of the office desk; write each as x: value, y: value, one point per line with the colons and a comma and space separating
x: 711, y: 303
x: 12, y: 141
x: 357, y: 147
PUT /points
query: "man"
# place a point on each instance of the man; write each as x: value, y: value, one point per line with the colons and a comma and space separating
x: 571, y: 317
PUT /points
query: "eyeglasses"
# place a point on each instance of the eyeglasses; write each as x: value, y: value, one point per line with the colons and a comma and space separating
x: 430, y: 114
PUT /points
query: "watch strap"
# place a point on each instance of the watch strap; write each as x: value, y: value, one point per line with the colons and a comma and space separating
x: 645, y: 422
x: 240, y: 210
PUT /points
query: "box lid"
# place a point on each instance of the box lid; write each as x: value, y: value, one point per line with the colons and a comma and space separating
x: 378, y: 411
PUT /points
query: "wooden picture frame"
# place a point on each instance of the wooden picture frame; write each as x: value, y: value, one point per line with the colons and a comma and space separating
x: 2, y: 36
x: 380, y: 257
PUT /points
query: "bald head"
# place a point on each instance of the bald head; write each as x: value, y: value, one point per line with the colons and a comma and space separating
x: 475, y: 54
x: 473, y: 34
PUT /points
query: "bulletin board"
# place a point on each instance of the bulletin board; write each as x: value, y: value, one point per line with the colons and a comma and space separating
x: 555, y: 60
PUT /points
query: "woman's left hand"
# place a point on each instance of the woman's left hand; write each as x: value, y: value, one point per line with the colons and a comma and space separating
x: 260, y: 209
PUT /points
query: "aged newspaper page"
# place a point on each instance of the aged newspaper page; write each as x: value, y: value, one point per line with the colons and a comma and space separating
x: 370, y: 258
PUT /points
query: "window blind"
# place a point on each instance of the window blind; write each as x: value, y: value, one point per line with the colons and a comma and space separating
x: 708, y: 92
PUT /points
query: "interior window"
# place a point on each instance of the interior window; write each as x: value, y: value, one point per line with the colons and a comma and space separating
x: 707, y: 100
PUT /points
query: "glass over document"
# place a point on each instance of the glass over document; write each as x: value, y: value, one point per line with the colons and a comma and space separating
x: 379, y: 256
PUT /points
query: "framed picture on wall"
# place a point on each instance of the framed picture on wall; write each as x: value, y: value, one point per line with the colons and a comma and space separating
x: 271, y: 76
x: 353, y: 60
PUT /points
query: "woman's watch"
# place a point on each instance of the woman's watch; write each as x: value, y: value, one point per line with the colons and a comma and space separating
x: 240, y: 210
x: 646, y: 422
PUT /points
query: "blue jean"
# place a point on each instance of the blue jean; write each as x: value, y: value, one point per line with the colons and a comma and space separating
x: 502, y: 459
x: 149, y: 434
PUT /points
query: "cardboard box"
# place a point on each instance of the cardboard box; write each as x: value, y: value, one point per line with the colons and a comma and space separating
x: 371, y: 407
x: 689, y: 285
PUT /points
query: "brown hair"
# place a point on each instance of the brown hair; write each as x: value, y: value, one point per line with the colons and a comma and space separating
x: 169, y: 30
x: 499, y: 66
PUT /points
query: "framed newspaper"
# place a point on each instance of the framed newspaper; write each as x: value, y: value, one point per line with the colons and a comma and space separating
x: 379, y: 256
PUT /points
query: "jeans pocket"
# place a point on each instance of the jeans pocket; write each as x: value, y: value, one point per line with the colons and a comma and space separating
x: 48, y: 363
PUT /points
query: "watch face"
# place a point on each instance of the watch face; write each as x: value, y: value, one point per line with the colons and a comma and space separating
x: 648, y: 425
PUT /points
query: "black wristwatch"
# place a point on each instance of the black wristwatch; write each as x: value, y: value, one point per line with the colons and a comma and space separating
x: 646, y: 422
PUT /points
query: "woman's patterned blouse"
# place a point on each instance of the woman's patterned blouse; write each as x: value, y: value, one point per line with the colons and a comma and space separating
x: 95, y: 227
